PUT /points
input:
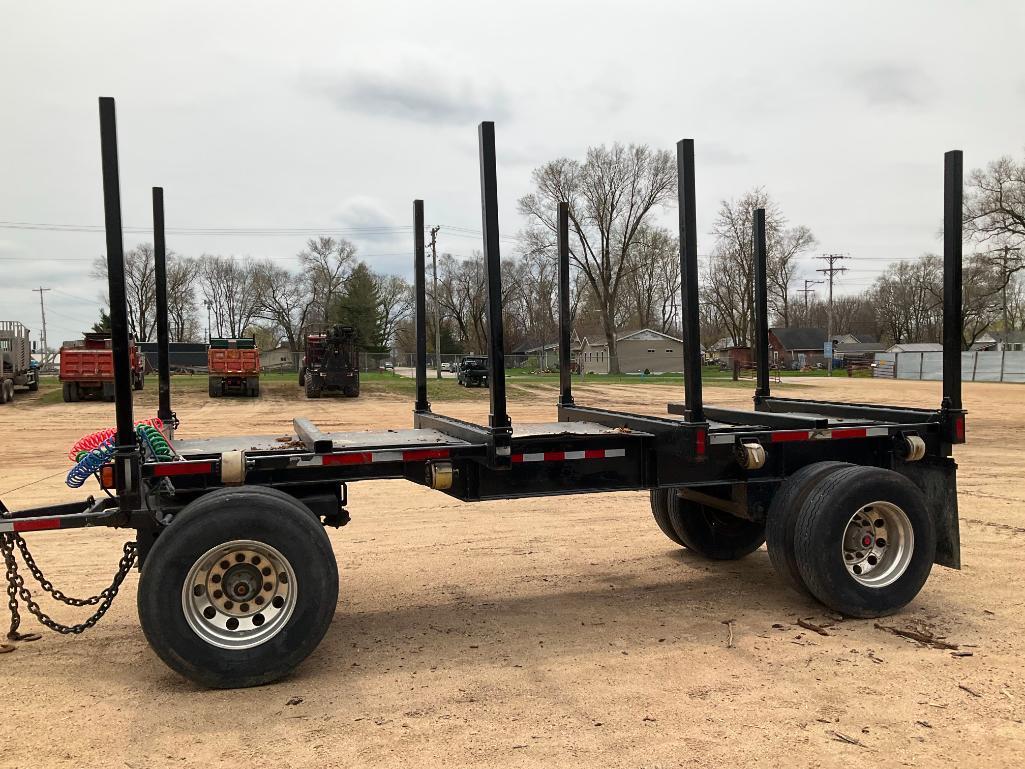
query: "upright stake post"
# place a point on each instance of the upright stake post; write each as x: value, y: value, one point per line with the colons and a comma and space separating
x: 499, y: 418
x: 761, y: 306
x: 953, y: 170
x: 419, y: 281
x: 689, y: 282
x: 163, y: 338
x: 565, y: 376
x: 127, y: 455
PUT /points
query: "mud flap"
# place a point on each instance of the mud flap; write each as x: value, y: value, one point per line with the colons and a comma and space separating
x: 937, y: 479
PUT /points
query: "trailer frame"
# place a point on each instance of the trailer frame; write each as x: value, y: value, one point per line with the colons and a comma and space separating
x: 731, y: 462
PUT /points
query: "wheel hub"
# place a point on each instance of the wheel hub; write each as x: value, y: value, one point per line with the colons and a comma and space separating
x: 239, y: 594
x: 877, y: 544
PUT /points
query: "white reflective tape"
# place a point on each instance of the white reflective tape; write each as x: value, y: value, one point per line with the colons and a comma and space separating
x: 533, y: 457
x: 875, y: 431
x: 615, y: 453
x: 722, y: 438
x: 574, y: 455
x: 386, y: 456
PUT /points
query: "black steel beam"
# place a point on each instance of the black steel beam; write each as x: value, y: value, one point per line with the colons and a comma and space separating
x: 499, y: 418
x: 315, y: 439
x: 455, y: 428
x: 689, y: 281
x: 761, y: 306
x: 160, y: 273
x: 953, y: 191
x: 127, y: 455
x: 758, y: 418
x: 565, y: 322
x: 420, y: 283
x: 860, y: 411
x: 636, y: 422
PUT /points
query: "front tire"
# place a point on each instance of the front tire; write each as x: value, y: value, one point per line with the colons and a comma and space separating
x: 865, y: 542
x: 239, y: 589
x: 712, y: 533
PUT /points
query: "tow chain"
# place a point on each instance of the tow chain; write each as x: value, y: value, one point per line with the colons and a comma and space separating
x: 16, y: 590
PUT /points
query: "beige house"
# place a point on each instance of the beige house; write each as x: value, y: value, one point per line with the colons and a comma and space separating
x: 639, y: 351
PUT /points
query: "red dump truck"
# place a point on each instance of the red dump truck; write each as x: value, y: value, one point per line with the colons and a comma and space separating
x: 234, y: 367
x: 87, y: 367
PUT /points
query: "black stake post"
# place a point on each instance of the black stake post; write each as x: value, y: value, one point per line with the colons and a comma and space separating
x: 499, y: 419
x: 761, y: 306
x: 953, y: 169
x: 689, y: 282
x: 565, y: 376
x: 163, y: 356
x: 127, y: 455
x: 420, y: 284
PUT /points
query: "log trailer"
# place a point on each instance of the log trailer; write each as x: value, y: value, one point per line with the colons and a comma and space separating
x: 239, y: 583
x: 17, y: 368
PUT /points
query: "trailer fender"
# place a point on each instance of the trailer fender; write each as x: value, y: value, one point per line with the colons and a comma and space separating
x: 936, y: 477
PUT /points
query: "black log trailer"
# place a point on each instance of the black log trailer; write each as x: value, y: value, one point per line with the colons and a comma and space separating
x: 238, y: 577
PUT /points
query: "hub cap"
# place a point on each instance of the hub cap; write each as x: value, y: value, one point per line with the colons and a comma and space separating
x: 877, y: 544
x: 239, y: 595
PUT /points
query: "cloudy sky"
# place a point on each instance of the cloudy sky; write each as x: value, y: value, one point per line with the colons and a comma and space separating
x: 266, y: 120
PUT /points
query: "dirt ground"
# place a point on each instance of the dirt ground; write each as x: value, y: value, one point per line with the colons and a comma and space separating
x: 538, y: 632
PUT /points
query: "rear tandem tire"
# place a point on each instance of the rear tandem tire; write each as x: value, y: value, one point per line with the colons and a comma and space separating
x: 660, y: 510
x: 865, y: 541
x: 712, y: 533
x: 782, y: 518
x: 182, y: 576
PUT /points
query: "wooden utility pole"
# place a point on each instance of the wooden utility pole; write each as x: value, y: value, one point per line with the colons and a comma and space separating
x: 831, y: 270
x: 437, y: 319
x: 807, y: 291
x: 42, y: 311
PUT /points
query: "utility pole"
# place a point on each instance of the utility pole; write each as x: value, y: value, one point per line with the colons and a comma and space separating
x: 807, y: 291
x: 42, y: 311
x: 208, y: 304
x: 831, y: 270
x: 437, y: 320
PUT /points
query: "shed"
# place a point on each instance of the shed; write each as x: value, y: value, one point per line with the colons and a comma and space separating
x: 639, y: 351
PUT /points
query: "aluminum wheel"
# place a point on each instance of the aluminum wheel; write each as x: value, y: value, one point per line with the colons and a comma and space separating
x: 239, y: 594
x: 878, y: 544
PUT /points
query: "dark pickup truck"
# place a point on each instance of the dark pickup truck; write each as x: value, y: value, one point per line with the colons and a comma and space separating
x: 473, y: 372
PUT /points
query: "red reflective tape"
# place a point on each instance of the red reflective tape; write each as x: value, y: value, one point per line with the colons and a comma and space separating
x: 959, y: 429
x: 594, y: 454
x: 557, y: 456
x: 419, y: 455
x: 699, y: 442
x: 182, y: 468
x: 795, y: 435
x: 353, y: 458
x: 40, y: 525
x: 517, y: 457
x: 850, y: 432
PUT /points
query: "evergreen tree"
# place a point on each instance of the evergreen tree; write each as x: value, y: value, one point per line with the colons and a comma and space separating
x: 103, y: 324
x: 359, y: 306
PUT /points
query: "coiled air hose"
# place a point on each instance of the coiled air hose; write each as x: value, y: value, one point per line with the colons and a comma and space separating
x: 88, y: 461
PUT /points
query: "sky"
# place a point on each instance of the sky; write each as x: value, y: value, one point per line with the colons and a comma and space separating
x: 266, y: 122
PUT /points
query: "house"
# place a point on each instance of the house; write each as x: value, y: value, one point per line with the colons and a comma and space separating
x: 547, y: 355
x: 181, y: 356
x: 726, y: 350
x: 1012, y: 341
x: 916, y: 347
x: 984, y: 343
x: 281, y: 358
x: 797, y: 346
x: 857, y: 351
x: 639, y: 351
x: 855, y: 339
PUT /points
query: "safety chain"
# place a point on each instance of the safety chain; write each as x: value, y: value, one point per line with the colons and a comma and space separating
x: 16, y: 589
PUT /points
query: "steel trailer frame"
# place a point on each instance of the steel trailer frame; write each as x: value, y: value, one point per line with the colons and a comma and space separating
x: 733, y: 460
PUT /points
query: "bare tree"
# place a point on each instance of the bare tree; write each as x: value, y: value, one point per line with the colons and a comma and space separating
x: 285, y: 301
x: 182, y: 313
x: 140, y: 288
x: 396, y: 297
x: 652, y: 283
x: 233, y: 289
x: 610, y: 196
x: 326, y: 263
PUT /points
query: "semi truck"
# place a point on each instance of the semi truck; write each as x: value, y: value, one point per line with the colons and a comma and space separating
x: 234, y: 367
x: 17, y: 368
x: 87, y: 367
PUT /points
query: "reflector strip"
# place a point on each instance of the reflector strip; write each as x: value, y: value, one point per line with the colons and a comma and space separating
x: 167, y: 469
x: 40, y: 524
x: 372, y: 457
x: 785, y: 436
x: 790, y: 435
x: 563, y: 456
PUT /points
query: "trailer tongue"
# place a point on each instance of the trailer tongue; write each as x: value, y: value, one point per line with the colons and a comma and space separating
x: 239, y: 581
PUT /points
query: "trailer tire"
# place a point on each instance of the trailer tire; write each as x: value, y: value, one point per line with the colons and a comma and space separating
x: 229, y: 523
x: 70, y: 392
x: 313, y: 389
x: 865, y: 541
x: 713, y: 533
x: 781, y: 519
x: 660, y: 511
x: 214, y: 389
x: 3, y: 391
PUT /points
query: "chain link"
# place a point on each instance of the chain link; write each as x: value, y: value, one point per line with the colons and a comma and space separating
x: 16, y: 588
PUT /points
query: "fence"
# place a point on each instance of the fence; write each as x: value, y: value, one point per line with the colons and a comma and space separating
x: 990, y: 366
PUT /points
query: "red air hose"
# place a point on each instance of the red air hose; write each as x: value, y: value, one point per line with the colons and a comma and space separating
x: 96, y: 439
